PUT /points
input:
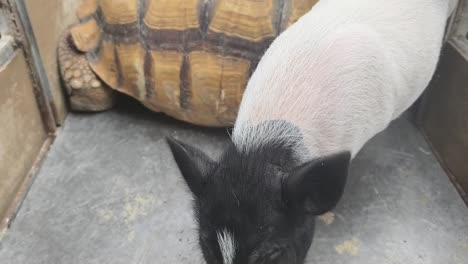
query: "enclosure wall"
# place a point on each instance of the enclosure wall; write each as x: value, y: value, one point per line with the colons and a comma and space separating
x: 22, y: 133
x: 444, y: 115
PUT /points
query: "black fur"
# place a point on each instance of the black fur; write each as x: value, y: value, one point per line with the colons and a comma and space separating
x: 264, y: 197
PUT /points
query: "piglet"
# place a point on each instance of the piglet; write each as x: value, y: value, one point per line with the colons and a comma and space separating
x: 324, y: 87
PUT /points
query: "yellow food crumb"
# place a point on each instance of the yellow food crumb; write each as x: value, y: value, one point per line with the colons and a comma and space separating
x: 350, y: 247
x: 328, y: 218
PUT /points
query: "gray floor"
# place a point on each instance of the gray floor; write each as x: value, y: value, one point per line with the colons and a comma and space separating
x: 109, y: 192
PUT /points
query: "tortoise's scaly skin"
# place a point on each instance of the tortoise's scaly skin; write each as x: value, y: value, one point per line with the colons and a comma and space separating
x: 190, y: 59
x: 85, y: 90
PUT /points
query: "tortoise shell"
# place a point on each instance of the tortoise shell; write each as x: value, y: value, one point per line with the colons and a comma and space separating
x: 190, y: 59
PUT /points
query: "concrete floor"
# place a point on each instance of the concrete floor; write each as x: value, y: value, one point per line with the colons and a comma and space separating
x: 109, y: 192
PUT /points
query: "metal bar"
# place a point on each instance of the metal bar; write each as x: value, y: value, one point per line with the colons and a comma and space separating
x: 44, y: 84
x: 25, y: 37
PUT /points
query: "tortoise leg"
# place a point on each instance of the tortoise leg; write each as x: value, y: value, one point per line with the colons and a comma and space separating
x: 85, y: 90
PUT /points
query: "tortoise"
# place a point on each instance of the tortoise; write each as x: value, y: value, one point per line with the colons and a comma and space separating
x: 190, y: 59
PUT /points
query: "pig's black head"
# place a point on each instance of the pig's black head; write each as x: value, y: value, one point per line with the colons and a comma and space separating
x: 259, y: 207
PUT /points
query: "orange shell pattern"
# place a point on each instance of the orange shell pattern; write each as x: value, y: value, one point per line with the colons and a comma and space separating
x: 190, y: 59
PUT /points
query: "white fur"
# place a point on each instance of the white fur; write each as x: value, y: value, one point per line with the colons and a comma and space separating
x: 227, y: 245
x: 343, y: 72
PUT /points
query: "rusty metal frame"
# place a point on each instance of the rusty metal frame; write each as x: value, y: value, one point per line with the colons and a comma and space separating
x: 24, y: 36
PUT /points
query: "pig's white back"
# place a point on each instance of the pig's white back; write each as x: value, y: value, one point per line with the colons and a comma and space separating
x: 343, y: 72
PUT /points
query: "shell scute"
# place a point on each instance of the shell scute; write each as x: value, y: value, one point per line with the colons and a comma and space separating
x: 130, y: 62
x: 190, y: 59
x: 86, y: 36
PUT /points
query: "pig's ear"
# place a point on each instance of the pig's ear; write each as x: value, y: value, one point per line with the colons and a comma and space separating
x: 318, y: 185
x: 192, y: 162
